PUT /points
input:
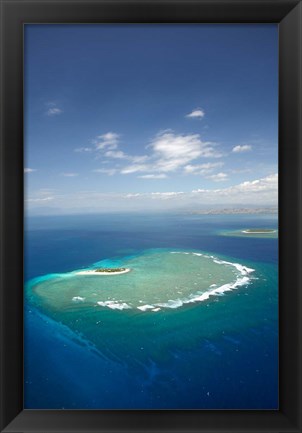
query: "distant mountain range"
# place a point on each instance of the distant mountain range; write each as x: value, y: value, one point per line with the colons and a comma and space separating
x: 232, y: 211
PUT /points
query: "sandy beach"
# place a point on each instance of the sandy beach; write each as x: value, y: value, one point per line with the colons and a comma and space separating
x: 259, y: 232
x: 93, y: 272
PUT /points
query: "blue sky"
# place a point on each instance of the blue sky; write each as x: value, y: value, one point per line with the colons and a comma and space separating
x: 139, y: 117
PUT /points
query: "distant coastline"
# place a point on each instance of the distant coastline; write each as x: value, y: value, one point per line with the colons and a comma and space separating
x: 236, y: 211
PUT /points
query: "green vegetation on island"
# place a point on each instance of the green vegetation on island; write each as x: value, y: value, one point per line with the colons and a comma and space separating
x: 111, y: 270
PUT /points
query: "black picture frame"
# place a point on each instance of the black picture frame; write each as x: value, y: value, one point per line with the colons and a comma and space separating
x: 14, y: 13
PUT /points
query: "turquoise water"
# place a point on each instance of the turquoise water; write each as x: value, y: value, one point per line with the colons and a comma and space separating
x: 193, y: 325
x: 157, y: 280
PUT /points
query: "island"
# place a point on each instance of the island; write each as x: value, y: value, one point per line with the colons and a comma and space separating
x: 258, y: 231
x: 253, y: 233
x: 103, y: 271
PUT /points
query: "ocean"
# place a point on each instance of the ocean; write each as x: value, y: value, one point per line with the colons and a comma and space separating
x: 193, y: 325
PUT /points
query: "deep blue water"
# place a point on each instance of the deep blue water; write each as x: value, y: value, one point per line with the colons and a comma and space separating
x: 223, y: 354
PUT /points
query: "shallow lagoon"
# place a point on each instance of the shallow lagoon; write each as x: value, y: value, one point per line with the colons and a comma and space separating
x: 158, y: 279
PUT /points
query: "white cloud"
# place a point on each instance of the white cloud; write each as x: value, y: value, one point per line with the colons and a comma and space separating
x: 83, y: 149
x: 269, y: 183
x: 242, y: 148
x: 133, y: 195
x: 135, y: 168
x: 185, y: 148
x: 138, y: 158
x: 168, y: 152
x: 39, y: 199
x: 202, y: 168
x: 195, y: 114
x: 116, y: 154
x: 259, y: 193
x: 53, y: 111
x: 109, y: 171
x: 156, y: 195
x: 70, y: 174
x: 107, y: 146
x: 218, y: 177
x: 173, y: 151
x: 109, y: 141
x: 259, y: 190
x: 29, y: 170
x: 166, y: 195
x: 153, y: 176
